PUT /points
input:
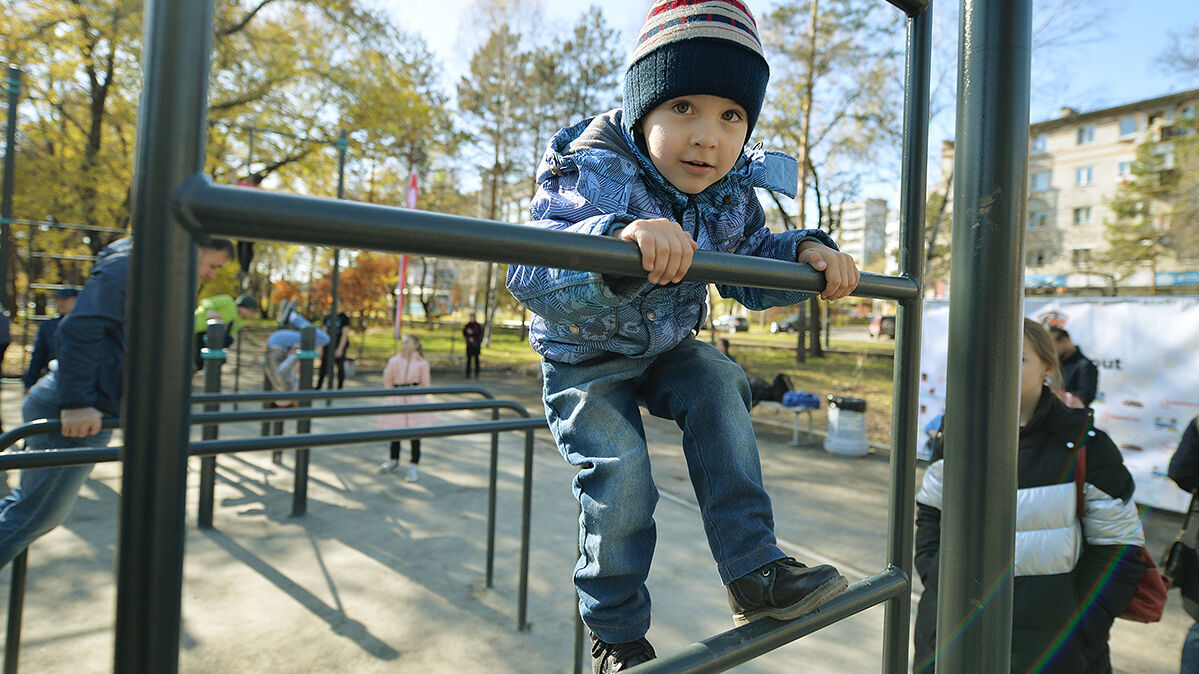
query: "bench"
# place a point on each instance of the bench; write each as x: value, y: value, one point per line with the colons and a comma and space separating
x: 797, y: 410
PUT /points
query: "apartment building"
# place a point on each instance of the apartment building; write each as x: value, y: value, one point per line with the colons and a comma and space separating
x: 1077, y: 161
x: 862, y: 232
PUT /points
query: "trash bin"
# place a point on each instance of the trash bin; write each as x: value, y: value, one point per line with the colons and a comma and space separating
x: 846, y: 426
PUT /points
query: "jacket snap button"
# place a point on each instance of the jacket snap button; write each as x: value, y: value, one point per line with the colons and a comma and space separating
x: 651, y: 315
x: 574, y: 329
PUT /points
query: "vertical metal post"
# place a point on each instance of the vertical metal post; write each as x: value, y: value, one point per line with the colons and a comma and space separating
x: 526, y: 511
x: 974, y: 617
x: 162, y: 285
x: 13, y: 86
x: 237, y: 366
x: 335, y: 327
x: 299, y: 492
x: 492, y: 473
x: 213, y: 359
x: 16, y: 610
x: 905, y: 391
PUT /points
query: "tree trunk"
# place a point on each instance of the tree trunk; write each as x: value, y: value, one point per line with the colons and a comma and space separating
x: 806, y: 124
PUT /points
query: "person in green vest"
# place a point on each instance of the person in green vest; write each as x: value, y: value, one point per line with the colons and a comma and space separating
x: 224, y: 308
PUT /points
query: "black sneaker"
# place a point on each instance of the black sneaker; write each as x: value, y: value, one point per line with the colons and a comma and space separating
x: 606, y: 657
x: 784, y: 590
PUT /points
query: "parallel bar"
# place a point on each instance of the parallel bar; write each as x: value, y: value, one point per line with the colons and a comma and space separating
x: 492, y: 478
x: 906, y: 373
x: 162, y: 283
x: 13, y: 87
x: 740, y: 645
x: 974, y: 617
x: 277, y: 216
x: 205, y: 398
x: 54, y: 458
x: 320, y: 413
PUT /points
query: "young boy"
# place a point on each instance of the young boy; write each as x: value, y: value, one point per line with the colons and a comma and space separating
x: 667, y: 172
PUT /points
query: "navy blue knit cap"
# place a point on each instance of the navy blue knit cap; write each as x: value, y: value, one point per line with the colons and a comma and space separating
x: 691, y: 47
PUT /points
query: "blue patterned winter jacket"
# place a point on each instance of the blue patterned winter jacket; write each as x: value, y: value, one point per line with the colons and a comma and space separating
x: 593, y: 179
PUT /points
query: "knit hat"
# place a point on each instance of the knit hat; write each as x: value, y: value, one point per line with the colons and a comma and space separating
x: 691, y: 47
x: 248, y: 302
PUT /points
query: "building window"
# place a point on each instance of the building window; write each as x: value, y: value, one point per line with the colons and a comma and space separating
x: 1128, y: 126
x: 1081, y: 257
x: 1037, y: 219
x: 1125, y: 169
x: 1037, y: 258
x: 1082, y: 216
x: 1086, y: 134
x: 1039, y: 181
x: 1084, y: 176
x: 1040, y: 143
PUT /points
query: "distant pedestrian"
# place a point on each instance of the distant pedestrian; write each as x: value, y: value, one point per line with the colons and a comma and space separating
x: 1079, y: 373
x: 341, y: 332
x: 45, y: 351
x: 472, y: 332
x: 233, y: 313
x: 1073, y: 575
x: 407, y: 368
x: 282, y: 350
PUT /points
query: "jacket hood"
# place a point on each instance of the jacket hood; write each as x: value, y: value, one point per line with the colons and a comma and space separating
x: 774, y: 171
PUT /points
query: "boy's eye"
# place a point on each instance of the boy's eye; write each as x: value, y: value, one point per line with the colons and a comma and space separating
x: 731, y: 116
x: 682, y: 107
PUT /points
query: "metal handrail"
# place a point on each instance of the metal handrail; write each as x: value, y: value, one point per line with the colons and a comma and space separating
x: 278, y: 216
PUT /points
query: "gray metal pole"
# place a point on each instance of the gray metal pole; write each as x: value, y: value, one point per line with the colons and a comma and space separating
x: 213, y: 358
x: 162, y: 285
x: 13, y: 86
x: 905, y: 391
x: 299, y: 492
x: 974, y: 617
x: 334, y: 327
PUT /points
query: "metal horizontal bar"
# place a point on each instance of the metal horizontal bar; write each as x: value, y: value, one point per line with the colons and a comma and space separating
x: 322, y: 394
x: 287, y: 413
x: 42, y: 426
x: 50, y: 286
x: 263, y: 214
x: 57, y: 256
x: 55, y: 458
x: 729, y: 649
x: 912, y: 8
x: 67, y: 225
x: 215, y: 447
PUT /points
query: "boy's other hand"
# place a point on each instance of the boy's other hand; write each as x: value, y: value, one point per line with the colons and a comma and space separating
x: 666, y: 250
x: 80, y: 423
x: 840, y: 272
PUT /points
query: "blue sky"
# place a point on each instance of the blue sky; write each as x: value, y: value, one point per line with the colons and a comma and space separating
x: 1118, y: 66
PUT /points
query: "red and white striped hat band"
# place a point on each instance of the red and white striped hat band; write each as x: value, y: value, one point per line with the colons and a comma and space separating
x: 673, y: 20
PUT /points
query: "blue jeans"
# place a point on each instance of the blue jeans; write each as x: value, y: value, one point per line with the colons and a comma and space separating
x: 1190, y: 651
x: 45, y: 495
x: 592, y: 409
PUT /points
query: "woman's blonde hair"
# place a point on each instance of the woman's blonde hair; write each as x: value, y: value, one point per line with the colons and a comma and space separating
x: 1038, y: 338
x: 415, y: 343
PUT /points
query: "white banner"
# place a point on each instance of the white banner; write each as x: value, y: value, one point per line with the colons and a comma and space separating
x: 1145, y: 348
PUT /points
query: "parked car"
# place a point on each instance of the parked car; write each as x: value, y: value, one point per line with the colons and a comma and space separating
x: 882, y: 325
x: 788, y: 324
x: 731, y: 323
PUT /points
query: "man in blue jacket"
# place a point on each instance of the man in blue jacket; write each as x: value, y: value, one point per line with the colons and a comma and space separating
x: 44, y: 351
x: 84, y: 388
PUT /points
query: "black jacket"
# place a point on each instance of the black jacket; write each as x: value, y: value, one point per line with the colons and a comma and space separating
x: 1184, y: 465
x: 44, y: 351
x: 91, y: 339
x: 1045, y: 606
x: 1081, y: 376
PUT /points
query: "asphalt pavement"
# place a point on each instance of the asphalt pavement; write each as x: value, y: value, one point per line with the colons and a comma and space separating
x: 385, y: 575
